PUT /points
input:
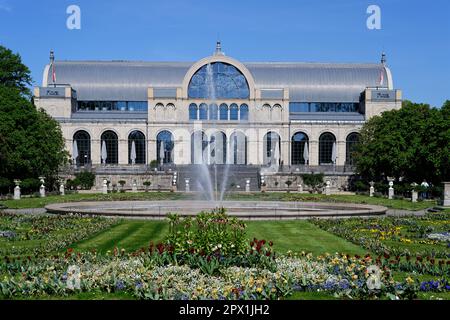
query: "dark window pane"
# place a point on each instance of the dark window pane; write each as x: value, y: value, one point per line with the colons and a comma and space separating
x: 243, y: 112
x: 223, y: 112
x: 234, y: 112
x: 111, y: 144
x: 83, y: 141
x: 138, y: 138
x: 350, y: 147
x: 164, y: 153
x: 298, y: 143
x: 326, y: 142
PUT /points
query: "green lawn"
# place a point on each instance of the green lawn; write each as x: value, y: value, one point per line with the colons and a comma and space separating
x: 300, y: 235
x: 297, y: 236
x: 268, y: 196
x: 127, y: 234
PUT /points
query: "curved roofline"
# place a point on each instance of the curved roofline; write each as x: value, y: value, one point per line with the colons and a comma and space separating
x: 218, y: 58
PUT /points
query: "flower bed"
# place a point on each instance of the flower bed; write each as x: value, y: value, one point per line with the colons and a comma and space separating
x: 36, y: 235
x: 142, y: 275
x: 406, y: 236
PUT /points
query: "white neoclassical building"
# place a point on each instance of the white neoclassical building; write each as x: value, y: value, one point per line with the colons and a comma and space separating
x: 215, y: 110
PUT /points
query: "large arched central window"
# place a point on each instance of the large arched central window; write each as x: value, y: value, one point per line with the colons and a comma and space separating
x: 218, y: 80
x: 109, y: 148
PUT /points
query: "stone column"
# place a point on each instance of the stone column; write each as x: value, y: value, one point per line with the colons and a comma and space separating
x: 17, y: 190
x: 340, y: 161
x: 42, y: 188
x: 371, y: 189
x: 313, y: 153
x: 414, y: 194
x: 123, y: 151
x: 105, y: 186
x: 328, y: 188
x: 446, y: 194
x: 391, y: 189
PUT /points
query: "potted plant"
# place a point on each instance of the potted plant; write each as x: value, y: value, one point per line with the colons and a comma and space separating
x: 263, y: 187
x: 122, y: 184
x: 147, y: 185
x: 288, y: 183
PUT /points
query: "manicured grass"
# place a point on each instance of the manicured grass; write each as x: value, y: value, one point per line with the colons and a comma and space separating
x: 300, y: 235
x: 128, y: 234
x: 284, y: 196
x: 296, y: 236
x: 267, y: 196
x: 25, y: 203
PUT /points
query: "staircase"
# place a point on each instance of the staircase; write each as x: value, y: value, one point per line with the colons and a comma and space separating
x: 237, y: 176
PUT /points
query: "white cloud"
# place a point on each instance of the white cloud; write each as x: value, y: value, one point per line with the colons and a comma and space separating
x: 5, y: 7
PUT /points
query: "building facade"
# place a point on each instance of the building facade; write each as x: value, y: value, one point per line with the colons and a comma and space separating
x: 216, y: 110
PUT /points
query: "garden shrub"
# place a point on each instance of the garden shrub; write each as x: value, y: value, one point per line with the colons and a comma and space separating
x: 5, y: 185
x: 85, y: 179
x: 315, y: 181
x: 30, y: 185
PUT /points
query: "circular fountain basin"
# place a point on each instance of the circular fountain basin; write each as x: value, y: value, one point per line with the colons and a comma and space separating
x: 260, y: 210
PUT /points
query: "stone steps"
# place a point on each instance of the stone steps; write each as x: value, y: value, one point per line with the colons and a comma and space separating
x: 236, y: 181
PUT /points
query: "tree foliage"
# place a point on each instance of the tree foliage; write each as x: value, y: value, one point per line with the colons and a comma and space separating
x: 412, y: 143
x: 13, y: 73
x: 31, y: 142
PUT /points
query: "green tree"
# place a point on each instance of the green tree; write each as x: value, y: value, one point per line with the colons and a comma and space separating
x: 412, y: 143
x: 31, y: 142
x: 13, y: 73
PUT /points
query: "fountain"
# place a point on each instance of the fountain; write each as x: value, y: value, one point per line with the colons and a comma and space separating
x: 211, y: 152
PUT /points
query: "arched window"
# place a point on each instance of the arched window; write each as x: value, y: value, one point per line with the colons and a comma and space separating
x: 238, y: 148
x: 244, y: 112
x: 199, y: 144
x: 164, y: 147
x: 272, y: 148
x: 203, y: 112
x: 234, y: 111
x: 213, y: 111
x: 218, y: 148
x: 83, y: 141
x: 109, y: 147
x: 218, y: 80
x: 298, y: 143
x: 223, y: 112
x: 327, y: 142
x: 138, y: 151
x: 350, y: 147
x: 193, y: 110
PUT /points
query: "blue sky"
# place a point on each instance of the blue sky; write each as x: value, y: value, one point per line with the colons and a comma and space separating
x: 415, y: 34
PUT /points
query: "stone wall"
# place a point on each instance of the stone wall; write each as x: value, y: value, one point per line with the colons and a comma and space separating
x: 277, y: 182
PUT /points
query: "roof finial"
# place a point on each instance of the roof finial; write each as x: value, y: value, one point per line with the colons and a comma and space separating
x: 383, y: 58
x: 52, y: 56
x: 218, y: 51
